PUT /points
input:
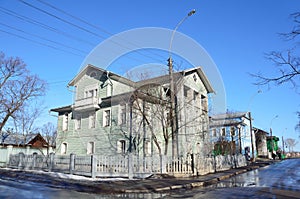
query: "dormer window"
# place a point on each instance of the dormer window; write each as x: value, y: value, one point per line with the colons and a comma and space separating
x: 195, y: 77
x: 93, y: 74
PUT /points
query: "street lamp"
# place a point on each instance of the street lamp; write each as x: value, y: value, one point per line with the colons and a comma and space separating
x: 172, y: 89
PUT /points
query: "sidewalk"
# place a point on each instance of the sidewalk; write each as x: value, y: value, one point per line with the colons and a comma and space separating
x: 167, y: 184
x: 156, y: 183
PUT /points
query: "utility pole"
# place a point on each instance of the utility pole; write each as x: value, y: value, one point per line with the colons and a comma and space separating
x: 251, y: 137
x: 282, y: 145
x: 173, y: 115
x: 272, y: 144
x: 271, y: 141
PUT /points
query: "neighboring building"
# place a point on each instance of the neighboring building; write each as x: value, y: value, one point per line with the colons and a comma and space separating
x: 261, y: 142
x: 17, y: 140
x: 27, y: 144
x: 272, y: 145
x: 114, y: 115
x: 230, y: 133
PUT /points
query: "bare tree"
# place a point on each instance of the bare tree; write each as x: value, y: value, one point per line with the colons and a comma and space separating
x: 150, y: 106
x: 297, y: 128
x: 287, y: 62
x: 152, y: 109
x: 23, y: 122
x: 48, y: 131
x: 291, y: 143
x: 18, y: 87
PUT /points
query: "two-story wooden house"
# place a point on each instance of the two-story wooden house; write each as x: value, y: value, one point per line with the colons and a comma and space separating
x: 231, y: 133
x: 113, y: 115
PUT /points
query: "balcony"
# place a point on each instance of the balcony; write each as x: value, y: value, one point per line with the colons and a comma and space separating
x: 86, y: 104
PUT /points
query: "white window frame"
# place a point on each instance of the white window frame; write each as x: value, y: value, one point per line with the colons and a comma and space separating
x: 92, y: 120
x: 90, y: 149
x: 65, y: 122
x: 64, y: 148
x: 122, y: 114
x: 91, y: 91
x: 148, y: 147
x: 214, y: 133
x: 232, y: 131
x: 106, y: 117
x: 77, y: 121
x: 223, y: 132
x: 121, y: 146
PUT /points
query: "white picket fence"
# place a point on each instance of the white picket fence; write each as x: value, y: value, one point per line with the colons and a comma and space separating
x: 126, y: 166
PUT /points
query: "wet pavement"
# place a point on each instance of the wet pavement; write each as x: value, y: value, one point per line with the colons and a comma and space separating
x: 278, y: 180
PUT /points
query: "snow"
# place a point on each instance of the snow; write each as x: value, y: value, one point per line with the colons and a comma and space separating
x: 68, y: 176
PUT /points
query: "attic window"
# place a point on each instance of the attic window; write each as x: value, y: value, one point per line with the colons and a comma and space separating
x: 195, y: 77
x: 93, y: 74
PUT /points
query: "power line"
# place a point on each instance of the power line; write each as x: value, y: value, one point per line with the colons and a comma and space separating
x: 92, y: 25
x: 61, y: 19
x: 45, y: 26
x: 47, y: 45
x: 79, y: 27
x: 74, y: 17
x: 45, y: 39
x: 37, y: 23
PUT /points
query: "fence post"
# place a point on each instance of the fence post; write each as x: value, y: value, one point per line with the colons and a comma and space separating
x: 93, y: 166
x: 51, y: 161
x: 27, y: 150
x: 34, y: 157
x: 9, y: 152
x: 21, y: 160
x: 130, y: 166
x: 72, y: 163
x: 215, y: 163
x: 163, y: 166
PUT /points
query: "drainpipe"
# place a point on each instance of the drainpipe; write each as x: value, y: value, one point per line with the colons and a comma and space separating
x: 111, y: 84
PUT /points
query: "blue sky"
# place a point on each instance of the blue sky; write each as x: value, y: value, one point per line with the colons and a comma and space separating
x: 236, y: 34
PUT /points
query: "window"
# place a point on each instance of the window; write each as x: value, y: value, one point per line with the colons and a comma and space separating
x: 223, y: 132
x: 214, y: 133
x: 147, y: 147
x: 106, y: 118
x: 167, y: 92
x: 93, y: 74
x: 122, y: 115
x: 65, y: 122
x: 91, y: 91
x: 121, y: 146
x: 195, y: 95
x: 195, y: 77
x: 204, y: 103
x: 169, y: 119
x: 77, y: 121
x: 185, y: 91
x: 92, y: 120
x: 232, y: 131
x: 90, y: 148
x: 64, y: 148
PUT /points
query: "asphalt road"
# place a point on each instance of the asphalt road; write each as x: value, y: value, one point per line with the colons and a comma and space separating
x: 280, y: 180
